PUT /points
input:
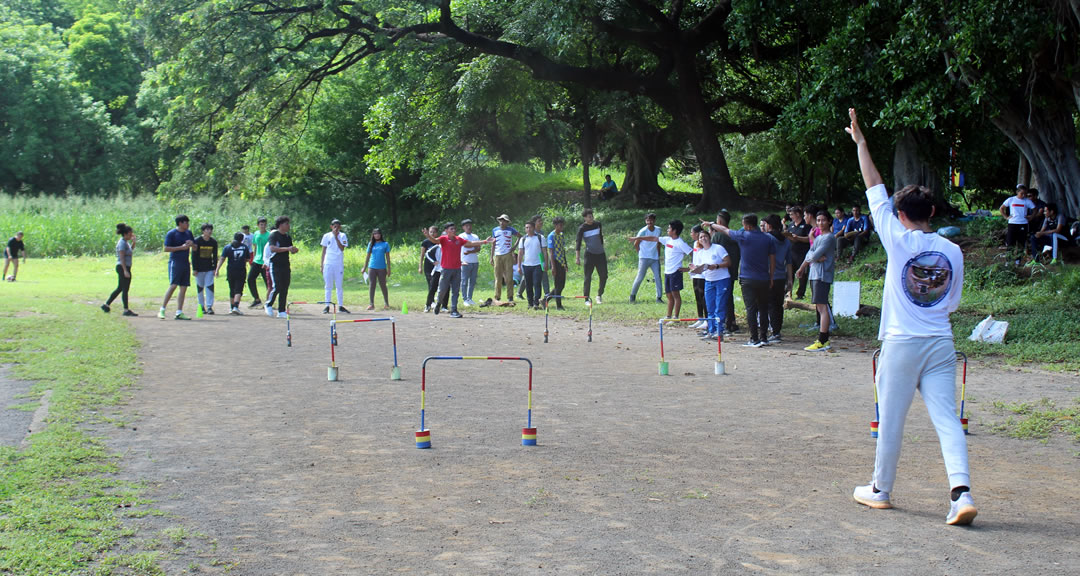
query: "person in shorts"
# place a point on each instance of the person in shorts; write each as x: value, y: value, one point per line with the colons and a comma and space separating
x: 236, y: 255
x: 377, y: 263
x: 820, y: 261
x: 924, y: 278
x: 178, y: 244
x: 675, y: 250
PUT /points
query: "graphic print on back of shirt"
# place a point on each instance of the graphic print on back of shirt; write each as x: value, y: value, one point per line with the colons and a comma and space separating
x: 927, y: 278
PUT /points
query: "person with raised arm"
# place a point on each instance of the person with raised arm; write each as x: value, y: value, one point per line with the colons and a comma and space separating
x: 923, y: 281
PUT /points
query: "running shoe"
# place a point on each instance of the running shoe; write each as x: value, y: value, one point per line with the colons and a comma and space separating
x: 269, y: 311
x: 465, y: 303
x: 865, y: 495
x: 343, y: 310
x: 660, y: 301
x: 752, y: 344
x: 455, y: 314
x: 1054, y: 262
x: 696, y: 325
x: 255, y: 304
x: 427, y: 308
x: 210, y: 311
x: 372, y: 307
x: 817, y: 346
x: 775, y: 339
x: 281, y: 314
x: 435, y: 310
x: 161, y: 314
x: 105, y: 308
x: 633, y: 300
x: 181, y: 316
x: 961, y: 511
x: 326, y: 310
x: 598, y: 300
x: 708, y: 336
x: 129, y: 313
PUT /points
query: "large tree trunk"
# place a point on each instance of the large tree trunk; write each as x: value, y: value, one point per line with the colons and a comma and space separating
x: 910, y: 167
x: 717, y: 186
x: 643, y: 160
x: 587, y: 148
x: 1047, y: 138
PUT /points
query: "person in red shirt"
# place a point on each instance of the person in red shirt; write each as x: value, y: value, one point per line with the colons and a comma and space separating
x: 451, y: 245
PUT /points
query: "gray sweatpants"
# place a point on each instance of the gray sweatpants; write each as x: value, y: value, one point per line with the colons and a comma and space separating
x: 450, y: 280
x: 929, y: 365
x: 468, y: 279
x: 204, y: 282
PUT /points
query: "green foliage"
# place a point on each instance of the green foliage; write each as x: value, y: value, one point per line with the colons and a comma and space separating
x: 103, y: 57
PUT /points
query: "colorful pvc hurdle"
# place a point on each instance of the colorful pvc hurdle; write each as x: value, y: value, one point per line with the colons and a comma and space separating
x: 288, y: 321
x: 963, y: 393
x: 718, y: 368
x: 332, y: 370
x: 423, y: 435
x: 547, y: 300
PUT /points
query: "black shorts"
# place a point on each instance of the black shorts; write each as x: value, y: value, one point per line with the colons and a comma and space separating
x: 179, y: 273
x: 236, y: 283
x: 673, y: 282
x: 821, y: 291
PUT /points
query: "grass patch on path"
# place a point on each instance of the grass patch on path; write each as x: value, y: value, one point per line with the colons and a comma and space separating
x: 1037, y: 420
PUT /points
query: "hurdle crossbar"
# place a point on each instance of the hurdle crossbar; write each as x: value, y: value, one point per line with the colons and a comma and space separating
x: 423, y: 436
x: 288, y: 320
x: 395, y: 372
x: 719, y: 368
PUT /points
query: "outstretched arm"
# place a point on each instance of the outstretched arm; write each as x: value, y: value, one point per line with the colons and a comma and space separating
x: 870, y: 174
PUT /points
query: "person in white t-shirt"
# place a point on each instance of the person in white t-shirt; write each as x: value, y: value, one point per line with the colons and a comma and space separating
x: 712, y: 262
x: 502, y: 257
x: 470, y: 263
x: 648, y: 258
x: 1020, y: 211
x: 530, y: 250
x: 332, y: 259
x: 923, y: 281
x: 675, y: 249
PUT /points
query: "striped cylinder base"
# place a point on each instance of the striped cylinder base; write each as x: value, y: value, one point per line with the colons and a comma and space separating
x: 963, y: 424
x: 528, y: 436
x: 423, y: 439
x: 873, y: 429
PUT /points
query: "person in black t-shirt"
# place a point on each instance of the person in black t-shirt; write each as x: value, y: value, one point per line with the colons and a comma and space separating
x: 278, y: 248
x: 204, y: 258
x: 11, y: 255
x: 798, y: 231
x: 236, y: 254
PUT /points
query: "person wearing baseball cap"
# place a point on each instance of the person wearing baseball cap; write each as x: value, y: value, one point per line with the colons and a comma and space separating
x: 332, y: 259
x: 502, y: 257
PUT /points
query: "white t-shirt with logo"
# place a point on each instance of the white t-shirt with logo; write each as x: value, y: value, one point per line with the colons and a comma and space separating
x: 530, y: 249
x: 648, y: 249
x: 473, y: 258
x: 675, y: 250
x: 334, y: 255
x: 923, y: 278
x: 715, y: 254
x: 504, y: 240
x: 1019, y: 209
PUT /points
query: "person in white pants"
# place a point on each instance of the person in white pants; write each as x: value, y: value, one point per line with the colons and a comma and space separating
x: 334, y: 244
x: 923, y: 281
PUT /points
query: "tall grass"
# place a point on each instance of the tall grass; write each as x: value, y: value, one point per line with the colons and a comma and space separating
x: 75, y: 226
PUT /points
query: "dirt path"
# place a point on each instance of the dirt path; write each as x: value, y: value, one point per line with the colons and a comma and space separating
x: 273, y: 470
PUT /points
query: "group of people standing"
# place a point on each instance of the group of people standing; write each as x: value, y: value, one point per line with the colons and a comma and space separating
x: 1035, y: 224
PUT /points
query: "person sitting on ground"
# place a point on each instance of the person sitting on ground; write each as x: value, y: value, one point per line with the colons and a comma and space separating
x: 1040, y: 210
x: 1053, y: 229
x: 924, y: 278
x: 608, y: 189
x: 856, y: 233
x: 839, y: 220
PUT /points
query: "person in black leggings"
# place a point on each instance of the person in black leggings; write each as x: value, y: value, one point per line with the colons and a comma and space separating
x: 124, y: 248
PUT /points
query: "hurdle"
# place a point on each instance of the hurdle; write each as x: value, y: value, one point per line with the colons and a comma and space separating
x: 718, y: 367
x: 332, y: 370
x: 960, y: 356
x: 288, y: 321
x: 547, y: 300
x: 423, y: 435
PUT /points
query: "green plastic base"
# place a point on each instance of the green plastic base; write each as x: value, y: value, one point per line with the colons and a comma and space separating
x: 663, y: 368
x: 395, y: 374
x: 331, y: 374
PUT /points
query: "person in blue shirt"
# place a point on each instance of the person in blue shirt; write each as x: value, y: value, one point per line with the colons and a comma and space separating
x: 378, y: 262
x: 608, y: 189
x: 782, y: 277
x: 855, y: 233
x: 758, y: 263
x: 839, y: 221
x: 178, y: 244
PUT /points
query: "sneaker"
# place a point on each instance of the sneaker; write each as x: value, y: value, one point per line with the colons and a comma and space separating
x: 129, y: 313
x: 708, y: 336
x: 728, y: 333
x: 209, y: 311
x: 269, y: 311
x: 234, y: 311
x: 455, y: 314
x: 435, y: 310
x: 161, y: 314
x: 660, y: 301
x: 633, y: 300
x: 255, y: 304
x: 105, y: 308
x: 962, y: 511
x: 714, y: 336
x: 1054, y: 262
x: 181, y: 316
x: 764, y: 342
x: 282, y: 314
x: 465, y: 303
x: 427, y: 309
x: 775, y: 339
x: 817, y: 346
x: 598, y: 300
x: 865, y: 495
x: 752, y: 344
x: 326, y: 310
x: 343, y: 310
x: 696, y: 325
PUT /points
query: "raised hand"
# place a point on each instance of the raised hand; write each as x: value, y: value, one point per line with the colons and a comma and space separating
x: 854, y: 130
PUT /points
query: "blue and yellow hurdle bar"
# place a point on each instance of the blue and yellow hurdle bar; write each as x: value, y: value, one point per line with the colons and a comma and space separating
x: 423, y: 435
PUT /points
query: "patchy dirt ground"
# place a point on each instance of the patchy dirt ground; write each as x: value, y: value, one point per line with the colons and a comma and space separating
x: 267, y: 468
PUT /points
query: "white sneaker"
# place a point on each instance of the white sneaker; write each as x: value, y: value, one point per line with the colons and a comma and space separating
x: 598, y: 300
x: 269, y: 311
x: 962, y: 511
x: 465, y: 303
x: 866, y: 495
x: 696, y: 325
x: 282, y: 315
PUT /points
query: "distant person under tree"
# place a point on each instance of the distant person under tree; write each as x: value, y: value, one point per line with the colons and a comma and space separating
x: 608, y: 189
